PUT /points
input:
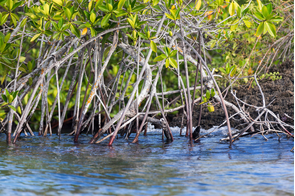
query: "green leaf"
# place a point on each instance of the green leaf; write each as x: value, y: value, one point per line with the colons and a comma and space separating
x: 198, y: 4
x: 269, y: 8
x: 22, y: 59
x: 90, y: 5
x: 16, y: 5
x: 68, y: 13
x: 155, y: 2
x: 271, y: 28
x: 105, y: 20
x: 12, y: 107
x: 120, y: 13
x: 4, y: 19
x: 173, y: 62
x: 143, y: 36
x: 93, y: 33
x: 131, y: 37
x: 239, y: 12
x: 6, y: 38
x: 103, y: 8
x: 170, y: 16
x: 98, y: 3
x: 13, y: 20
x: 92, y: 17
x: 46, y: 9
x: 153, y: 46
x: 14, y: 94
x: 138, y: 8
x: 208, y: 96
x: 30, y: 65
x: 173, y: 53
x: 167, y: 51
x: 75, y: 30
x: 265, y: 28
x: 259, y: 15
x: 26, y: 98
x: 35, y: 37
x: 131, y: 23
x: 260, y: 29
x: 23, y: 23
x: 212, y: 92
x: 213, y: 43
x: 265, y: 11
x: 259, y: 5
x: 204, y: 100
x: 210, y: 107
x: 247, y: 23
x: 7, y: 93
x: 10, y: 4
x: 58, y: 2
x: 110, y: 7
x: 159, y: 58
x: 276, y: 19
x: 233, y: 71
x: 10, y: 98
x: 19, y: 110
x: 120, y: 4
x: 4, y: 97
x: 231, y: 9
x: 167, y: 63
x: 60, y: 22
x: 22, y: 69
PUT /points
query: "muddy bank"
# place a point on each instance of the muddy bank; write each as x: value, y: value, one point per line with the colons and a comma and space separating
x: 280, y: 93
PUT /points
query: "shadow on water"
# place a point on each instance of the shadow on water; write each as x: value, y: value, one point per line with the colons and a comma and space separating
x: 47, y: 165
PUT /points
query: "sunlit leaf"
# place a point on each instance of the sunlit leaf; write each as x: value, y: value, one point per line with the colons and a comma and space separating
x: 210, y: 107
x: 35, y: 37
x: 92, y: 17
x: 173, y: 62
x: 247, y: 23
x: 167, y: 63
x: 22, y: 59
x: 120, y: 4
x: 259, y: 5
x: 169, y: 16
x: 58, y: 2
x: 153, y: 46
x: 198, y: 4
x: 12, y: 107
x: 24, y: 21
x: 155, y: 2
x: 231, y: 9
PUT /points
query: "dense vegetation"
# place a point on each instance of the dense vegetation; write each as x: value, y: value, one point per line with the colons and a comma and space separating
x: 109, y: 65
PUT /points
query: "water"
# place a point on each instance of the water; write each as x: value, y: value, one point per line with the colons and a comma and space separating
x: 47, y: 166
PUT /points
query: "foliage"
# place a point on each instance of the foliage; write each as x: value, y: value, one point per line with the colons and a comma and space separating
x: 230, y: 36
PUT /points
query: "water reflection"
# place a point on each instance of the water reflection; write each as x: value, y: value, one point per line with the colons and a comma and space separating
x: 46, y: 165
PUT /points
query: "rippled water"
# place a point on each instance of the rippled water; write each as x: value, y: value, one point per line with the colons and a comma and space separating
x: 47, y: 166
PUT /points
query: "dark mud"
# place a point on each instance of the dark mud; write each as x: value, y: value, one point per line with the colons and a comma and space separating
x: 280, y: 93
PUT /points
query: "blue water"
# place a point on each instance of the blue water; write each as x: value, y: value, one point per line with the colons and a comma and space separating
x: 49, y: 166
